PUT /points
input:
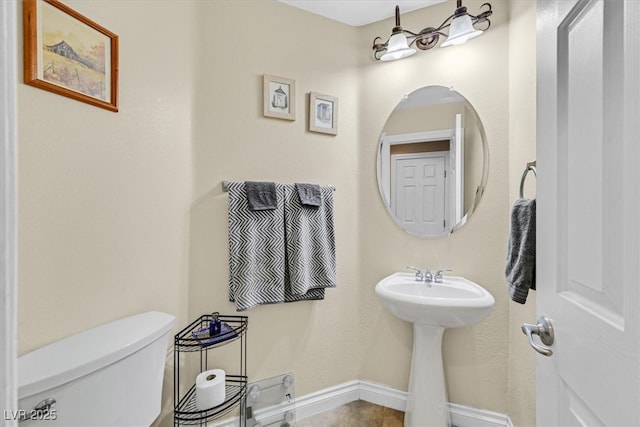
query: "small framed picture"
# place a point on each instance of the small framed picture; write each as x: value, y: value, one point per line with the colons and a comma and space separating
x: 323, y: 113
x: 279, y: 97
x: 69, y: 54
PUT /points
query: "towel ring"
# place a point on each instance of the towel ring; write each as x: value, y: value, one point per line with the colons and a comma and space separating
x: 530, y: 167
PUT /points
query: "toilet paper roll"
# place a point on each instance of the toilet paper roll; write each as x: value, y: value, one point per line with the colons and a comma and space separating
x: 210, y: 389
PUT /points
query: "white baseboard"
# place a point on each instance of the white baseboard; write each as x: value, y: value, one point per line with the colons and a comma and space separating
x: 383, y: 395
x: 336, y: 396
x: 327, y: 399
x: 465, y: 416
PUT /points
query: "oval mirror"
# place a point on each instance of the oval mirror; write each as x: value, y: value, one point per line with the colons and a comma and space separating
x: 433, y: 162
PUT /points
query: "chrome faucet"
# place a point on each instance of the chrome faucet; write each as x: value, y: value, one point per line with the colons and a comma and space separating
x: 438, y: 277
x: 428, y: 277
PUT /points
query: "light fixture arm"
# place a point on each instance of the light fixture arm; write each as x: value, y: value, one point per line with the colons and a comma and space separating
x: 398, y: 17
x: 429, y: 37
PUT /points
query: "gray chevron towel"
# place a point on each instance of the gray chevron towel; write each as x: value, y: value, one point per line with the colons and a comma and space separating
x: 311, y: 247
x: 257, y: 263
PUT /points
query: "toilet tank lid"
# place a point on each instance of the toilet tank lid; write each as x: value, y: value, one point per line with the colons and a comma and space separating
x: 72, y: 357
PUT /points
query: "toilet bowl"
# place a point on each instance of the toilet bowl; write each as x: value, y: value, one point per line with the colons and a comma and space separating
x: 110, y: 375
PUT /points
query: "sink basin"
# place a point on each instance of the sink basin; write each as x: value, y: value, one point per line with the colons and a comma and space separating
x: 431, y: 307
x: 454, y: 303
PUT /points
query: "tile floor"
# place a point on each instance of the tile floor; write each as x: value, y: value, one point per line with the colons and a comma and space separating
x: 356, y: 414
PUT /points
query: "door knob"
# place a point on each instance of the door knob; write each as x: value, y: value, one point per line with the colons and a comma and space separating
x: 544, y: 330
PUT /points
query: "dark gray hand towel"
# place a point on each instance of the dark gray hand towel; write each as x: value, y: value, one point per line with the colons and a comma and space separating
x: 261, y: 195
x: 521, y: 257
x: 309, y: 194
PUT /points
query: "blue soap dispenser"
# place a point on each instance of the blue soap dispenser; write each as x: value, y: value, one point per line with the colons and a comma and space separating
x: 215, y: 327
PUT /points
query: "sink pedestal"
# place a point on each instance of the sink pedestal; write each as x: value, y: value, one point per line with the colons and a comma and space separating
x: 431, y: 307
x: 427, y: 401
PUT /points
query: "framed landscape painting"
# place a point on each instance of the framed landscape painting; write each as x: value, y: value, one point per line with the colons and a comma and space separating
x: 69, y: 54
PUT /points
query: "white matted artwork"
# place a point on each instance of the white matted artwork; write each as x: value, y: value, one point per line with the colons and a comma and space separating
x: 323, y: 113
x: 279, y: 97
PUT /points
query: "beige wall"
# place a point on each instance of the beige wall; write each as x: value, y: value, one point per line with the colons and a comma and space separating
x: 317, y: 341
x: 522, y: 149
x: 476, y: 358
x: 423, y: 119
x: 104, y: 197
x: 123, y: 213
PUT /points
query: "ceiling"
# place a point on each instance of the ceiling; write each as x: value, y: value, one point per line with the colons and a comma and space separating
x: 359, y: 12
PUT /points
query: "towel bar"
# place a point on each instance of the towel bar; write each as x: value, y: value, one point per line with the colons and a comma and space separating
x: 225, y: 186
x: 531, y: 166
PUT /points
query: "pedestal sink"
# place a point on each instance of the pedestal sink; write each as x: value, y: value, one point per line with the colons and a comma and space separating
x: 431, y: 307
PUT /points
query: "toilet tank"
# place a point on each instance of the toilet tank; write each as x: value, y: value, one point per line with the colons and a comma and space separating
x: 110, y: 375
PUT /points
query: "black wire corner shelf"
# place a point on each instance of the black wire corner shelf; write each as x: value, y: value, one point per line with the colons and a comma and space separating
x: 195, y: 338
x: 189, y: 340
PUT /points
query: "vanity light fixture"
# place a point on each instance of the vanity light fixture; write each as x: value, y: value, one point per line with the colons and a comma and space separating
x: 460, y: 29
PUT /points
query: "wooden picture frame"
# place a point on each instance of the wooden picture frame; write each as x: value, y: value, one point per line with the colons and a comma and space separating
x: 69, y: 54
x: 323, y: 113
x: 279, y: 97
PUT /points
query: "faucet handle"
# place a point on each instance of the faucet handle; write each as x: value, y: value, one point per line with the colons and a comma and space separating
x: 419, y: 276
x: 438, y: 277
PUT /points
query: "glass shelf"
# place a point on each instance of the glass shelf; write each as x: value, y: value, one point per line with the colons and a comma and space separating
x: 270, y: 402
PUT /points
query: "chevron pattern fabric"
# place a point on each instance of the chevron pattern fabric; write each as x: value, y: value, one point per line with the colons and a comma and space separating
x: 257, y: 253
x: 311, y: 247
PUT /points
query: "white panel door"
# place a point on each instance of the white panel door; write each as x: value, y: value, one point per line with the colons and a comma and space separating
x: 420, y: 198
x: 588, y: 233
